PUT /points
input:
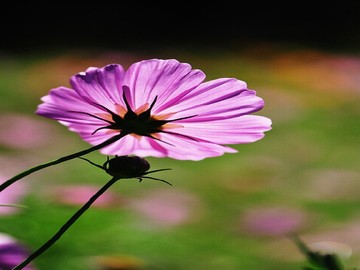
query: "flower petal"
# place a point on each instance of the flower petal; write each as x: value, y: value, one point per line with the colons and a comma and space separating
x: 182, y: 148
x: 217, y: 99
x: 66, y: 106
x: 100, y: 85
x: 173, y: 146
x: 131, y: 145
x: 169, y: 80
x: 239, y: 130
x: 211, y: 91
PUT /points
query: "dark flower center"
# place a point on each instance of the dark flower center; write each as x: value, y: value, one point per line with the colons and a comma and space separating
x: 143, y: 124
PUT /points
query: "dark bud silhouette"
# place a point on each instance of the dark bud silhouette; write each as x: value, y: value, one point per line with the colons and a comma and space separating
x: 126, y: 166
x: 121, y: 167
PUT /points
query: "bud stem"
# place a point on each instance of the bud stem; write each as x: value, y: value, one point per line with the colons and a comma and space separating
x: 66, y: 226
x: 60, y: 160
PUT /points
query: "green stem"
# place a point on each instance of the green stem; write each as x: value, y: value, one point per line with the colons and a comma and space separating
x: 57, y: 161
x: 66, y: 226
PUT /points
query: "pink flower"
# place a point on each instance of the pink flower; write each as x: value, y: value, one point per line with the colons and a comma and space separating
x: 273, y: 221
x: 165, y: 209
x: 80, y: 194
x: 22, y: 132
x: 10, y: 198
x: 163, y: 108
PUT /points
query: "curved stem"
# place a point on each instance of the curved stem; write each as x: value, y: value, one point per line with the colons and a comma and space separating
x: 66, y: 226
x: 60, y: 160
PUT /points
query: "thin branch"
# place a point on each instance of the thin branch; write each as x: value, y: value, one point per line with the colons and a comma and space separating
x: 66, y: 226
x: 60, y: 160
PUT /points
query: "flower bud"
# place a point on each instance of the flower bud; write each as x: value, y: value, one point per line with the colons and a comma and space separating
x: 127, y: 166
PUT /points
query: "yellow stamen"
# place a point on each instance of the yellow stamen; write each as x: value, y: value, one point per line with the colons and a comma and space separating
x: 110, y: 131
x: 136, y: 136
x: 142, y: 108
x: 104, y: 116
x: 171, y: 125
x: 120, y: 110
x: 156, y: 136
x: 162, y: 116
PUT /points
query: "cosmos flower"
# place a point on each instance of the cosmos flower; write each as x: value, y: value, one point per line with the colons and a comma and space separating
x: 161, y: 108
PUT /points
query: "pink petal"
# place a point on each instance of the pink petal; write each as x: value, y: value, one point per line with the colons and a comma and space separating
x: 239, y: 103
x: 179, y: 147
x: 167, y: 79
x: 176, y: 147
x: 130, y: 145
x: 243, y: 129
x: 64, y: 104
x: 100, y: 85
x: 210, y: 92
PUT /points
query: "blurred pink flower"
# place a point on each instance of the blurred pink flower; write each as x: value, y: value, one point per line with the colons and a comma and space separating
x: 80, y: 194
x: 272, y: 221
x: 23, y: 132
x: 163, y: 108
x: 165, y: 209
x: 12, y: 253
x: 11, y: 197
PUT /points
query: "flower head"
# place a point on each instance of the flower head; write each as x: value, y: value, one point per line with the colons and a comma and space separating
x: 163, y: 108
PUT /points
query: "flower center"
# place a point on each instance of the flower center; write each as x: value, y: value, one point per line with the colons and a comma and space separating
x: 142, y: 124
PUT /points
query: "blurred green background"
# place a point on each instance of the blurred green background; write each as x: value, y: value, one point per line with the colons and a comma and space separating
x: 231, y: 212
